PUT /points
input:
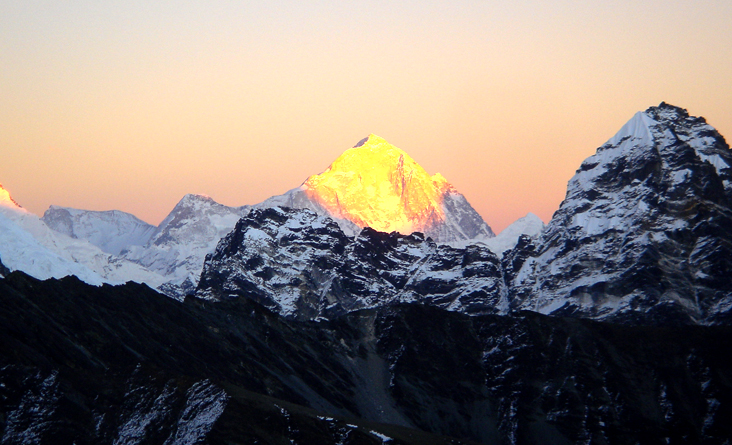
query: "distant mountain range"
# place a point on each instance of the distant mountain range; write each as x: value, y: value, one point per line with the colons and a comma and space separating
x: 295, y: 321
x: 643, y: 233
x: 170, y: 257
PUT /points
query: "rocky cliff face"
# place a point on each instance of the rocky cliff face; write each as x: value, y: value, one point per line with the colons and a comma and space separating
x: 643, y: 233
x: 303, y: 266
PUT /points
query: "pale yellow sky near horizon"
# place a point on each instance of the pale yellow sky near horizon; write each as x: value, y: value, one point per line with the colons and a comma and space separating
x: 131, y: 105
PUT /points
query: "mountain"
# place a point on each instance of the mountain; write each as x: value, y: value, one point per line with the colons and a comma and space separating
x: 643, y: 233
x: 529, y: 225
x: 112, y: 231
x: 28, y: 244
x: 641, y: 237
x: 303, y: 332
x: 177, y: 247
x: 20, y: 250
x: 173, y: 251
x: 302, y: 265
x: 375, y: 184
x: 124, y: 364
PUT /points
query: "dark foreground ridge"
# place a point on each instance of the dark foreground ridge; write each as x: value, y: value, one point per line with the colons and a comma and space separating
x: 89, y: 365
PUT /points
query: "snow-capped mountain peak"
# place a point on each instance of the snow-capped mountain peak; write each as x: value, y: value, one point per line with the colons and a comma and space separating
x: 196, y: 213
x: 375, y: 184
x: 636, y: 130
x: 643, y: 228
x: 529, y: 225
x: 28, y: 244
x: 177, y: 247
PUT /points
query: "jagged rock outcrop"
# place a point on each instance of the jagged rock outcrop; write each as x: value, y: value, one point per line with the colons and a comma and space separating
x: 303, y: 266
x: 643, y: 233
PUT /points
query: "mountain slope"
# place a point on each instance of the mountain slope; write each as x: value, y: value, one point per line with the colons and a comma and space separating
x: 174, y: 251
x: 81, y: 364
x: 19, y: 250
x: 643, y: 232
x: 375, y: 184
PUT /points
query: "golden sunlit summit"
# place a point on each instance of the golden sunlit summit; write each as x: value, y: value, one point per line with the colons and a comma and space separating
x: 376, y: 184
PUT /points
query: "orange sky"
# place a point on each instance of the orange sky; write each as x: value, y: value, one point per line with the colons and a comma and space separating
x: 129, y: 106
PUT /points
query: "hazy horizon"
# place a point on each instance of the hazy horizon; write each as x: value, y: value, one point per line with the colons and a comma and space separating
x: 131, y: 105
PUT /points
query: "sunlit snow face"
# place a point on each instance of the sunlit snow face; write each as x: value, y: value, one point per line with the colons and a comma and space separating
x: 6, y: 200
x: 378, y: 185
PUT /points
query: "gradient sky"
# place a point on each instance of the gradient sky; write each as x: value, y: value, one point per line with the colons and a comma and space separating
x: 131, y: 104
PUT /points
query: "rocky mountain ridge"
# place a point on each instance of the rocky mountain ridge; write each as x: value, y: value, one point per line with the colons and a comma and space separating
x: 304, y: 266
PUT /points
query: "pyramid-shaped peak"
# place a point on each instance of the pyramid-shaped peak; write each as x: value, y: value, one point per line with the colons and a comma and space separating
x: 377, y: 185
x: 192, y: 198
x: 375, y: 158
x: 375, y: 148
